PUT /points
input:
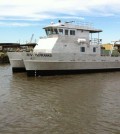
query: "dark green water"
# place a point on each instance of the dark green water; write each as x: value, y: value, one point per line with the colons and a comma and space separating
x: 69, y: 104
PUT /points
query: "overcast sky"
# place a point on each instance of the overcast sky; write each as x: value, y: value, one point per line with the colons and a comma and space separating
x: 19, y: 19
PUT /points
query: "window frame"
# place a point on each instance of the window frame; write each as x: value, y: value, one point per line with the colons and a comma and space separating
x: 94, y: 49
x: 72, y: 32
x: 82, y: 49
x: 67, y: 32
x: 61, y: 31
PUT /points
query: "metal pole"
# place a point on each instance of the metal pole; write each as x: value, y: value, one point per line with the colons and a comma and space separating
x: 98, y: 38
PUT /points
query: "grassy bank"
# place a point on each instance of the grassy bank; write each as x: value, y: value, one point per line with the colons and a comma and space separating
x: 3, y: 57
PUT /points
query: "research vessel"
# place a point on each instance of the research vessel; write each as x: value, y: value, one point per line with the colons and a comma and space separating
x: 69, y: 48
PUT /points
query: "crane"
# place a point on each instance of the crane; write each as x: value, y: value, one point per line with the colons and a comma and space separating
x: 31, y: 38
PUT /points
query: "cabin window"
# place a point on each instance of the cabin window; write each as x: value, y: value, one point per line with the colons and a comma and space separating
x: 60, y: 31
x: 50, y: 31
x: 94, y: 49
x: 72, y: 32
x: 82, y: 49
x: 66, y: 32
x: 55, y: 31
x: 47, y: 31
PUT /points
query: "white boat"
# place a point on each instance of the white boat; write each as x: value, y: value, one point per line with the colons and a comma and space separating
x: 69, y: 48
x: 15, y: 57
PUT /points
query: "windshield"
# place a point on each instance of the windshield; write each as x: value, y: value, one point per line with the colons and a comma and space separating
x: 50, y: 31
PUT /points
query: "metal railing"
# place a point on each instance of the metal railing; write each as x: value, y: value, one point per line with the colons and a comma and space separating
x: 95, y: 41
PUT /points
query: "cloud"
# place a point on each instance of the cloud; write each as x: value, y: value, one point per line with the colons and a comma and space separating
x: 47, y: 9
x: 16, y: 24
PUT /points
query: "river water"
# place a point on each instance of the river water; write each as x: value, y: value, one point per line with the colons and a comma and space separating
x: 68, y: 104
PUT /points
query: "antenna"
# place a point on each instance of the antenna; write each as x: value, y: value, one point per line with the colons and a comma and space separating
x: 69, y: 21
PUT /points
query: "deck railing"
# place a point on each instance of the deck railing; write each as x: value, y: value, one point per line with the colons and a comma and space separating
x: 95, y: 41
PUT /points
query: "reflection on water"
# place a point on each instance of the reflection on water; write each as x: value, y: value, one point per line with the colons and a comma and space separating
x: 69, y: 104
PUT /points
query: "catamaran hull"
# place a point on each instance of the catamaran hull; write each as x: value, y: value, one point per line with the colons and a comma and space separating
x: 67, y: 72
x: 35, y: 68
x: 16, y: 61
x: 17, y: 65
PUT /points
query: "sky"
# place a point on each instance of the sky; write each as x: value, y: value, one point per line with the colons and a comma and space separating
x: 20, y: 19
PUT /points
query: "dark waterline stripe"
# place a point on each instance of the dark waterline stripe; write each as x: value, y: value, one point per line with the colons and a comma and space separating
x: 62, y: 72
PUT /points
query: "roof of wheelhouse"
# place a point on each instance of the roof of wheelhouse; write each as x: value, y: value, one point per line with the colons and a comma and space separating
x: 70, y: 25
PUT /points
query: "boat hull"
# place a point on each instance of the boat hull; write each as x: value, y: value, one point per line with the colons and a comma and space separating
x: 42, y: 68
x: 67, y: 72
x: 16, y: 61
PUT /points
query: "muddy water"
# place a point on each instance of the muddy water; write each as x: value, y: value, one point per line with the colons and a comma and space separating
x: 68, y: 104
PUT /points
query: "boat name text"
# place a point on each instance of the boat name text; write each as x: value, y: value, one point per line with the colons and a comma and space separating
x: 39, y: 55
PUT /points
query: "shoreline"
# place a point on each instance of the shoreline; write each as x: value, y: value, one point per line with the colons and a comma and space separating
x: 4, y: 58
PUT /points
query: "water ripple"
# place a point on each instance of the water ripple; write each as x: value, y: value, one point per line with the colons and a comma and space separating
x: 74, y: 104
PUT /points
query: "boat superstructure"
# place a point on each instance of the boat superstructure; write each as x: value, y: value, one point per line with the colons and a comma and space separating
x: 68, y: 48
